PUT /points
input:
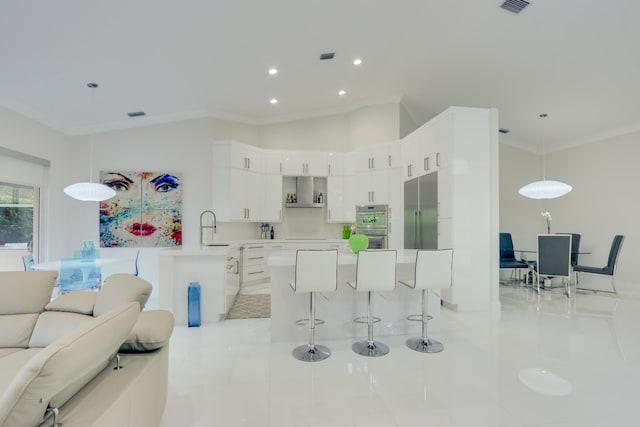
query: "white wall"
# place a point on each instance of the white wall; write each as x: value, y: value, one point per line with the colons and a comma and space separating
x: 604, y: 201
x: 518, y: 215
x: 24, y: 135
x: 407, y: 124
x: 340, y: 132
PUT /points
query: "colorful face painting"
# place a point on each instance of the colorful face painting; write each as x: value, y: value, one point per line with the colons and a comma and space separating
x: 146, y: 211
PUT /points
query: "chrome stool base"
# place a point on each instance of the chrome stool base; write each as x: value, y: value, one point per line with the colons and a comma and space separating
x: 307, y: 353
x: 373, y: 349
x: 425, y: 346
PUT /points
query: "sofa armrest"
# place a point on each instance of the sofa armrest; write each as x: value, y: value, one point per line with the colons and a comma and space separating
x: 151, y: 331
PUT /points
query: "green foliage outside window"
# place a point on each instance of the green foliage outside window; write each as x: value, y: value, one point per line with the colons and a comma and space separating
x: 16, y: 213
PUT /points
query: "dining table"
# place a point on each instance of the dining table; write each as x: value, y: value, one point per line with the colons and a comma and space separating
x: 85, y: 265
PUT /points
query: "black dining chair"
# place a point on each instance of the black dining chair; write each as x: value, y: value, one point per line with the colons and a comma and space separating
x: 508, y: 258
x: 607, y: 270
x: 575, y: 247
x: 554, y: 260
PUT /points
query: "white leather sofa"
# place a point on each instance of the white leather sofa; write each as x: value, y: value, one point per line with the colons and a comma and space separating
x: 57, y: 358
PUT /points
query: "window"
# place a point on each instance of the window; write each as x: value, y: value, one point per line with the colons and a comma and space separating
x: 18, y: 223
x: 16, y: 213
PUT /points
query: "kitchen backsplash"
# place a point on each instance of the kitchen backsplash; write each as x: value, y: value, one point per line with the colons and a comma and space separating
x: 297, y: 223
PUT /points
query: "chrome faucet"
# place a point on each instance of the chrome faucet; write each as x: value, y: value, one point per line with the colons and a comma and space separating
x: 202, y: 227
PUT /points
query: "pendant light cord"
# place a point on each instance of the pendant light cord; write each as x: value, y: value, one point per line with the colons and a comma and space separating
x: 544, y: 154
x: 93, y: 87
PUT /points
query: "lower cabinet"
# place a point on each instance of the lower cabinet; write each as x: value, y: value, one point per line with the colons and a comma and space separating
x: 253, y: 263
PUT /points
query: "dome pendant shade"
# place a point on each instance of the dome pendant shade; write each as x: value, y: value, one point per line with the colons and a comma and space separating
x: 545, y: 190
x: 89, y: 191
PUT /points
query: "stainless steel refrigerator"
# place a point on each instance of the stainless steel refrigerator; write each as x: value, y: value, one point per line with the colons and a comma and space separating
x: 421, y: 212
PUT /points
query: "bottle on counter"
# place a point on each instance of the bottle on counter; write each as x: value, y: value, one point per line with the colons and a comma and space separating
x: 273, y: 234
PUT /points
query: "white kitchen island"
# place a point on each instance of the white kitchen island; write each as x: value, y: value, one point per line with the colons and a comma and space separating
x: 207, y: 266
x: 215, y: 267
x: 338, y: 309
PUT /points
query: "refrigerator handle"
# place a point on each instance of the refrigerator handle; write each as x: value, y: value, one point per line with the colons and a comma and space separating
x: 420, y: 231
x: 416, y: 230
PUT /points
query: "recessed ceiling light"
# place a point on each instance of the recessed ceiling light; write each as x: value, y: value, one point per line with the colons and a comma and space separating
x: 342, y: 92
x: 357, y: 61
x: 274, y: 100
x: 273, y: 71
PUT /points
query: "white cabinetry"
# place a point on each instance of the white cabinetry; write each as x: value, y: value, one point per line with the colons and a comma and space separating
x: 238, y: 182
x: 310, y: 163
x: 247, y: 185
x: 240, y: 156
x: 461, y: 144
x: 341, y: 200
x: 378, y: 156
x: 273, y: 198
x: 246, y: 201
x: 427, y: 149
x: 253, y: 263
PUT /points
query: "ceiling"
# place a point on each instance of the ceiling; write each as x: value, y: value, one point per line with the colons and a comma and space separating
x: 577, y: 60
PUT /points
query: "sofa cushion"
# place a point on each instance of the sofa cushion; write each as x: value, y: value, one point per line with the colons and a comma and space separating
x: 12, y: 363
x: 119, y: 289
x: 52, y: 325
x: 151, y: 331
x: 29, y: 291
x: 7, y: 351
x: 59, y: 370
x: 74, y: 302
x: 16, y: 329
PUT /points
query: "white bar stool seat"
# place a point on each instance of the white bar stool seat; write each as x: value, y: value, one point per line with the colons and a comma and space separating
x: 316, y: 271
x: 375, y: 271
x: 433, y: 271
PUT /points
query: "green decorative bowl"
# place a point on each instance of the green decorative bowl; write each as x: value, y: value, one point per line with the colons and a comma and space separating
x: 358, y: 242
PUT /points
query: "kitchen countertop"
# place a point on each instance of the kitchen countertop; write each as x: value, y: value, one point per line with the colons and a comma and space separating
x: 221, y: 247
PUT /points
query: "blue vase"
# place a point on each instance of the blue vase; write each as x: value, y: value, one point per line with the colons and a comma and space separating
x: 194, y: 304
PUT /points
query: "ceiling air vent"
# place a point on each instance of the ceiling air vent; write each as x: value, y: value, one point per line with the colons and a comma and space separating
x: 136, y: 114
x: 503, y: 130
x: 514, y: 6
x: 329, y: 55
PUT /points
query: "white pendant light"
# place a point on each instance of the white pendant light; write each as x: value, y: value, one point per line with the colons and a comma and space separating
x: 544, y: 189
x: 90, y: 191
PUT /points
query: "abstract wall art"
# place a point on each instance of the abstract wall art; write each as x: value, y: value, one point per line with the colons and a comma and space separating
x: 146, y: 211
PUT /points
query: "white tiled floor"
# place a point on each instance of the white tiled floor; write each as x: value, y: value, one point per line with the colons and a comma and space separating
x: 229, y: 374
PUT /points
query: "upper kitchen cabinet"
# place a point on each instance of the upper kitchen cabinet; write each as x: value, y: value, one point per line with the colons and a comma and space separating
x: 273, y: 161
x: 379, y: 187
x: 410, y: 157
x: 429, y: 148
x: 304, y: 163
x: 341, y: 199
x: 238, y: 195
x: 238, y: 184
x: 379, y: 156
x: 238, y: 156
x: 272, y: 198
x: 341, y: 164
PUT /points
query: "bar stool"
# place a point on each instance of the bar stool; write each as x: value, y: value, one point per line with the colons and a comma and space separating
x: 433, y: 271
x: 316, y: 271
x: 375, y: 271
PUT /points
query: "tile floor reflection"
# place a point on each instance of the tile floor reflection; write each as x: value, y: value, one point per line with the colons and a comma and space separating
x: 229, y: 374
